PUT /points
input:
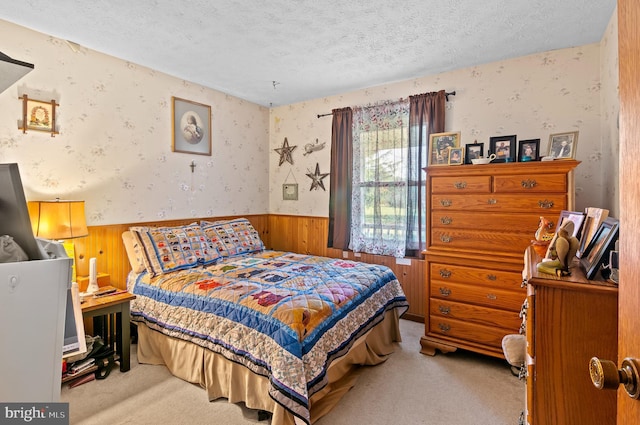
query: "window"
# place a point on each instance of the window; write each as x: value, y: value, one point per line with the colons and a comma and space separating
x: 377, y: 194
x: 379, y: 189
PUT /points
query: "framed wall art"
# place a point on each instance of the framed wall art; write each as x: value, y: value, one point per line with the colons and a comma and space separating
x: 528, y: 150
x: 439, y: 146
x: 38, y: 115
x: 599, y: 247
x: 563, y: 145
x: 191, y: 127
x: 504, y: 147
x: 290, y: 191
x: 473, y: 151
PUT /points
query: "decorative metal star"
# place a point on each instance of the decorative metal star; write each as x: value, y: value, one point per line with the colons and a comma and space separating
x: 285, y: 152
x: 317, y: 179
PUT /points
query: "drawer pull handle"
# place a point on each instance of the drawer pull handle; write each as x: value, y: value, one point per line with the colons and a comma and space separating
x: 446, y: 202
x: 492, y: 201
x: 446, y: 238
x: 446, y: 220
x: 546, y: 204
x: 492, y: 296
x: 460, y: 185
x: 444, y: 310
x: 522, y: 329
x: 524, y: 283
x: 492, y: 277
x: 445, y: 292
x: 528, y: 184
x: 444, y: 273
x: 444, y: 327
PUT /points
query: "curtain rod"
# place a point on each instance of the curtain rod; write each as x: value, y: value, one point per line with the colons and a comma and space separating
x: 446, y: 96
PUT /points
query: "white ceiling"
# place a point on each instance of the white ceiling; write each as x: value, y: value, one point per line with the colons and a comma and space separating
x: 278, y: 52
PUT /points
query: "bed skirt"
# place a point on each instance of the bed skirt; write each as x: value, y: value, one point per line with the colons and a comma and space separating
x: 222, y: 378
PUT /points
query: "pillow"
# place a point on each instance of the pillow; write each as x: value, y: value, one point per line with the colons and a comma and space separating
x: 174, y: 248
x: 233, y: 237
x: 135, y: 252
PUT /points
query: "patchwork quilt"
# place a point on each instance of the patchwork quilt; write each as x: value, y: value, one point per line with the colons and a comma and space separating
x: 284, y: 316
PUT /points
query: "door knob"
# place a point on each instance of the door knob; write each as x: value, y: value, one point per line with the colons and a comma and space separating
x: 606, y: 375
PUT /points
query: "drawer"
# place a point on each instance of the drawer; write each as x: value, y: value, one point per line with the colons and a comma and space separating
x: 543, y: 204
x: 466, y: 184
x: 522, y: 223
x: 534, y: 183
x: 478, y: 334
x: 478, y: 295
x: 470, y: 313
x: 477, y: 276
x: 497, y: 242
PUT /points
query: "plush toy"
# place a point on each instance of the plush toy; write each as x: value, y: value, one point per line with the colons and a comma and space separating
x: 561, y: 251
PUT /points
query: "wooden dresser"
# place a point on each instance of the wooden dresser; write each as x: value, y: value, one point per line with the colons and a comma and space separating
x: 480, y: 219
x: 569, y: 320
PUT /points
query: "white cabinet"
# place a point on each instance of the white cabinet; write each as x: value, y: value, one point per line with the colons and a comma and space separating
x: 33, y: 296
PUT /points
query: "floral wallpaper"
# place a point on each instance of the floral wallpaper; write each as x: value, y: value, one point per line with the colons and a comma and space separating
x: 532, y: 97
x: 610, y: 107
x: 114, y: 147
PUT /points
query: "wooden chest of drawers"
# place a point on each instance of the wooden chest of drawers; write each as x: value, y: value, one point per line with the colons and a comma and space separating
x: 480, y: 220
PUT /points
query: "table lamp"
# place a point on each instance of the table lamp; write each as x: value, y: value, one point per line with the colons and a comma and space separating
x: 59, y: 220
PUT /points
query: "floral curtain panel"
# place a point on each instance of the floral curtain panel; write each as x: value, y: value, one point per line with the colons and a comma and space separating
x: 379, y: 198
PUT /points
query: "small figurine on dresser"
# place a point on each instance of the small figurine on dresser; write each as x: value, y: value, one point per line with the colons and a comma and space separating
x: 561, y: 251
x: 543, y: 236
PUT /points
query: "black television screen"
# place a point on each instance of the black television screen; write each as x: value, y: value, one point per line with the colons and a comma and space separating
x: 14, y: 215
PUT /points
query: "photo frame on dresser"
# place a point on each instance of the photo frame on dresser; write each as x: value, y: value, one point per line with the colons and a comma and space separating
x: 456, y: 156
x: 473, y: 151
x: 528, y: 150
x: 598, y: 250
x: 563, y: 145
x: 504, y: 147
x: 576, y: 216
x: 439, y: 146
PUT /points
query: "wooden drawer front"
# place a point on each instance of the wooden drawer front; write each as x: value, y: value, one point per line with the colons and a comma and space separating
x: 475, y: 314
x: 480, y: 241
x: 540, y: 183
x: 477, y: 276
x: 522, y: 223
x: 458, y: 329
x: 542, y: 204
x: 466, y: 184
x: 479, y: 295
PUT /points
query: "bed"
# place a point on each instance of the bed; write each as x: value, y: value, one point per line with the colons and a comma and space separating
x: 282, y: 332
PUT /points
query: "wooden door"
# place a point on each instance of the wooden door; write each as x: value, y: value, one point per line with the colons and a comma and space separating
x: 629, y: 178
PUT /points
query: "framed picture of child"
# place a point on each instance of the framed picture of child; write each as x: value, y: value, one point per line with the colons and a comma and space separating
x: 528, y: 150
x: 456, y: 156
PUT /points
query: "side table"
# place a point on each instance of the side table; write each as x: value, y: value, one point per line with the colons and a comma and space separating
x: 116, y: 332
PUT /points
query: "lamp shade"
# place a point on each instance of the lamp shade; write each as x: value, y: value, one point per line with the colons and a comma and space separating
x: 58, y: 219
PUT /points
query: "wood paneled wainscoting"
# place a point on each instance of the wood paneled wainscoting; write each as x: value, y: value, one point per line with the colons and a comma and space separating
x: 300, y: 234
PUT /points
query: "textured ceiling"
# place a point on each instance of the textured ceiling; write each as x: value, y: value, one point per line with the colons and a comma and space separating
x: 279, y: 52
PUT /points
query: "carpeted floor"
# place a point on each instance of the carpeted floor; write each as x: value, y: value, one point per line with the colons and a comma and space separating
x: 409, y: 388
